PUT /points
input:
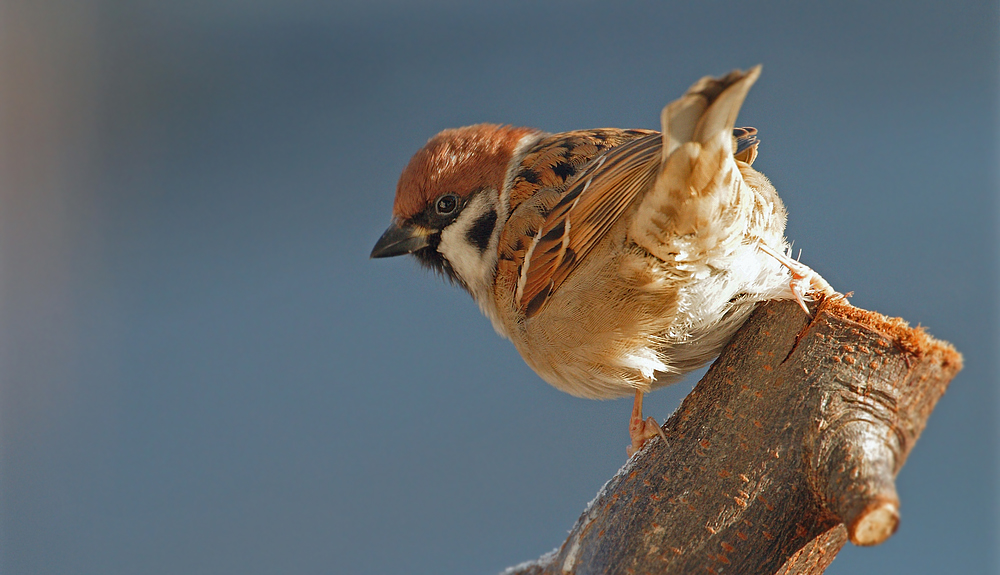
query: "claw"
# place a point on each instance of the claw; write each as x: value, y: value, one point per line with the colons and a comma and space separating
x: 804, y: 279
x: 641, y: 430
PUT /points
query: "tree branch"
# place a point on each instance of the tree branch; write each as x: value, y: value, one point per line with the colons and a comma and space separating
x: 788, y: 447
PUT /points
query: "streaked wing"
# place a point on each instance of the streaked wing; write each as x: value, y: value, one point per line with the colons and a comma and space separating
x: 583, y: 216
x: 745, y: 144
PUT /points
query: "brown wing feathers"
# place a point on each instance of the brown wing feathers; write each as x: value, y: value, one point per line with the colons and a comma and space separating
x: 591, y: 204
x: 746, y: 144
x: 590, y: 207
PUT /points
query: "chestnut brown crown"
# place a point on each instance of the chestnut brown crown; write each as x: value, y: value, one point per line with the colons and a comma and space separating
x: 457, y: 161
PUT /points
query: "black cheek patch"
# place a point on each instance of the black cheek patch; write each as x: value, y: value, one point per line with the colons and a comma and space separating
x: 480, y: 233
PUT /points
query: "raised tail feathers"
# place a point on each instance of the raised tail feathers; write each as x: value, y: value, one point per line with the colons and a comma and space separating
x: 695, y: 201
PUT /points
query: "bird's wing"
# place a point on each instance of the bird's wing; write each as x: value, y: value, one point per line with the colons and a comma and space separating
x: 582, y: 217
x: 684, y: 177
x: 745, y: 144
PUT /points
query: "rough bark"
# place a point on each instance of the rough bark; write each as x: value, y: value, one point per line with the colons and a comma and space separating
x: 786, y: 449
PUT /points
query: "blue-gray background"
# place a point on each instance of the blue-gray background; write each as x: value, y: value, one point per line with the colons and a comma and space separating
x: 202, y: 372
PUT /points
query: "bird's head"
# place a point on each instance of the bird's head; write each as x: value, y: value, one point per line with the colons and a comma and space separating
x: 448, y: 209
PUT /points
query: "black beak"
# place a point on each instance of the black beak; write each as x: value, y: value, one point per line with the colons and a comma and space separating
x: 400, y: 240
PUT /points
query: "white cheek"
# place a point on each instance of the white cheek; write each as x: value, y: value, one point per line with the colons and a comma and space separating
x: 475, y: 268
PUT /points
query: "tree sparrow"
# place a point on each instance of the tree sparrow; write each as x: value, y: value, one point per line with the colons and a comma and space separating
x: 615, y: 260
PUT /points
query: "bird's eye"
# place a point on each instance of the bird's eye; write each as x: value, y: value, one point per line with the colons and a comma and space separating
x: 446, y: 204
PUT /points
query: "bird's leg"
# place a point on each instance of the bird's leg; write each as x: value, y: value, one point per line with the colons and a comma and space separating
x: 641, y: 430
x: 804, y: 279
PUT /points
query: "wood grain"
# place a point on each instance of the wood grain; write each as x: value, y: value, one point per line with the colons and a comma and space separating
x: 786, y: 449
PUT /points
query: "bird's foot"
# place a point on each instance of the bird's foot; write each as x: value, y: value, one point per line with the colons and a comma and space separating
x: 641, y: 430
x: 804, y: 279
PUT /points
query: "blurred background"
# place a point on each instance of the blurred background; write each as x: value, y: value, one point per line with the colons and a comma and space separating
x: 201, y: 371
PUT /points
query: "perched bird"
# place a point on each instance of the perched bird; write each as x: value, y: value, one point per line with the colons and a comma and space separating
x: 615, y: 260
